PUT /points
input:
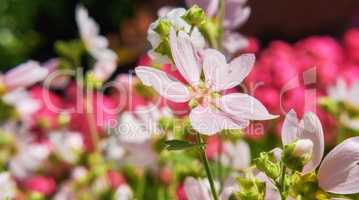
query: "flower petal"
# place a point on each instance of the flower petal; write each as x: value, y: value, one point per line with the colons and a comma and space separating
x: 214, y: 68
x: 272, y: 192
x: 243, y: 106
x: 290, y: 128
x: 166, y: 86
x: 220, y: 75
x: 236, y: 14
x: 184, y: 56
x: 209, y: 121
x: 195, y: 190
x: 339, y: 172
x: 25, y: 75
x: 311, y: 128
x: 239, y: 68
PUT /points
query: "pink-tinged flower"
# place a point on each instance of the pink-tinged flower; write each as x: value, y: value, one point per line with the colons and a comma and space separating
x: 97, y: 45
x: 351, y: 42
x: 339, y: 171
x: 307, y: 129
x: 213, y: 112
x: 41, y: 184
x: 195, y: 189
x: 269, y: 96
x: 24, y: 75
x: 67, y: 145
x: 214, y: 147
x: 237, y: 155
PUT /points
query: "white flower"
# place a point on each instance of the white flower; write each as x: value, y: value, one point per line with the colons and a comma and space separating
x: 97, y: 45
x: 237, y: 155
x: 7, y: 186
x: 123, y: 192
x: 24, y: 104
x: 175, y: 18
x: 67, y: 145
x: 30, y: 157
x: 342, y: 92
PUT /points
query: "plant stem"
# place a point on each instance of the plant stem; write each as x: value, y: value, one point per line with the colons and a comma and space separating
x: 91, y: 120
x: 206, y: 166
x: 282, y: 182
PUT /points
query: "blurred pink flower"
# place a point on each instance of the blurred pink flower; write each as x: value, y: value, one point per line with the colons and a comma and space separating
x: 351, y: 42
x: 51, y: 104
x: 115, y: 179
x: 42, y: 184
x: 231, y: 111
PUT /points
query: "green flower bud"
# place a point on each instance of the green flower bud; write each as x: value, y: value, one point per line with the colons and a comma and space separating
x: 163, y: 28
x: 266, y: 163
x: 305, y: 186
x: 195, y: 16
x: 297, y: 154
x: 251, y: 189
x: 193, y: 103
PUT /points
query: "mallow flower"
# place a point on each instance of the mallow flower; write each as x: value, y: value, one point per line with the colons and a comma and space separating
x: 211, y: 112
x: 158, y: 32
x: 96, y: 45
x: 7, y: 186
x: 307, y: 136
x: 339, y: 171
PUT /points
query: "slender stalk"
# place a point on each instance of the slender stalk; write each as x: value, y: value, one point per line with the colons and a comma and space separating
x: 206, y: 166
x: 219, y: 161
x: 282, y: 183
x: 91, y: 120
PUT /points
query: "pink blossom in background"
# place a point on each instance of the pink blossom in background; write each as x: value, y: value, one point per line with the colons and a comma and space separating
x: 42, y: 184
x: 351, y: 43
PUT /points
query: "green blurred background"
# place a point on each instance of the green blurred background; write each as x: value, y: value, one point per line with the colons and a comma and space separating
x: 29, y: 28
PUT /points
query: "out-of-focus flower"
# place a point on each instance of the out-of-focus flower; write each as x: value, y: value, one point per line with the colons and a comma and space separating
x: 50, y: 107
x: 351, y: 42
x: 115, y: 179
x: 212, y: 112
x: 67, y: 145
x: 7, y: 186
x: 308, y: 128
x: 41, y: 184
x: 123, y: 192
x: 339, y: 171
x: 30, y: 157
x: 342, y: 93
x: 24, y: 104
x: 23, y: 76
x: 159, y: 38
x: 196, y: 189
x: 97, y: 45
x: 237, y: 155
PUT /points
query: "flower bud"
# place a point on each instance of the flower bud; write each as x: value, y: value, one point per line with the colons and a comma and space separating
x: 194, y: 16
x: 163, y: 28
x: 266, y: 163
x: 251, y: 189
x: 297, y: 154
x: 303, y: 148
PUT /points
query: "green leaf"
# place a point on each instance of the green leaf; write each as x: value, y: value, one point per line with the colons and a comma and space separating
x: 180, y: 145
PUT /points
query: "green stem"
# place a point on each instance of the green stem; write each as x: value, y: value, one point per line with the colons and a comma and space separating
x: 206, y: 166
x: 282, y: 182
